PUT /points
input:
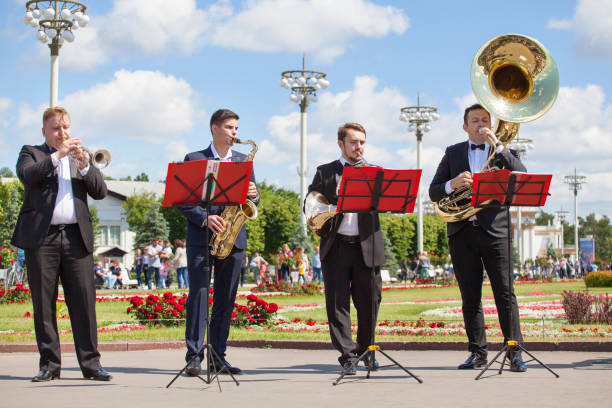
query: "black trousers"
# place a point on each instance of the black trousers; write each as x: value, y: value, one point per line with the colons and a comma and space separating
x: 472, y: 249
x: 63, y: 255
x: 225, y: 286
x: 346, y: 276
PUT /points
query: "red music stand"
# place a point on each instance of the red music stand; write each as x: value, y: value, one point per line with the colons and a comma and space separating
x: 505, y: 188
x: 206, y: 183
x: 374, y: 190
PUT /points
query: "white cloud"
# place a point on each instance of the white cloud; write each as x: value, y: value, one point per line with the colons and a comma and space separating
x: 133, y: 107
x: 324, y: 29
x: 144, y: 106
x: 592, y: 26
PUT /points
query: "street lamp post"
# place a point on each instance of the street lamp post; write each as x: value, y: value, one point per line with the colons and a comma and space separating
x: 521, y: 146
x: 562, y: 215
x: 304, y: 85
x: 575, y: 182
x: 57, y: 26
x: 419, y: 118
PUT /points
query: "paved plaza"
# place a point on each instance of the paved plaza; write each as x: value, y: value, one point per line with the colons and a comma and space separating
x: 297, y: 378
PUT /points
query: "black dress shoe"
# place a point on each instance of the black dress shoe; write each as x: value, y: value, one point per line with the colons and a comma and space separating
x: 44, y: 375
x: 475, y: 360
x: 348, y: 368
x: 99, y: 375
x: 193, y: 368
x: 518, y: 365
x: 219, y: 364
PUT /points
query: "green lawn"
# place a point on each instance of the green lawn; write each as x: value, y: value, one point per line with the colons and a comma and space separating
x: 109, y: 313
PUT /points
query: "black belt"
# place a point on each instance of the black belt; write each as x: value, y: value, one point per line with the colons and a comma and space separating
x: 351, y: 239
x: 60, y: 227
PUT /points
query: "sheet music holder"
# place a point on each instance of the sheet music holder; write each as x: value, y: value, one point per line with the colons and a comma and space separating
x: 505, y: 188
x: 374, y: 190
x: 207, y: 183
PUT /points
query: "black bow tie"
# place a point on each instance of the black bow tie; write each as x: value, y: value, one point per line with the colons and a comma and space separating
x: 480, y: 146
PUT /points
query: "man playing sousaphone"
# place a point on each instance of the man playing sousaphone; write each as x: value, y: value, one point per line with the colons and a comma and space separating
x: 346, y: 254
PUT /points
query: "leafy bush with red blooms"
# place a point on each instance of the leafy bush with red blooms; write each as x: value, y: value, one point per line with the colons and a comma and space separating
x: 256, y: 312
x: 20, y: 294
x: 167, y: 310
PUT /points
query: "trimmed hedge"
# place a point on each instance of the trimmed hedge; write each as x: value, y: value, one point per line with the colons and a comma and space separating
x: 599, y: 279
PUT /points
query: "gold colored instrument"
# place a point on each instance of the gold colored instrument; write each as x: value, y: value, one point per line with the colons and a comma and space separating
x: 516, y: 79
x: 234, y: 216
x: 319, y: 211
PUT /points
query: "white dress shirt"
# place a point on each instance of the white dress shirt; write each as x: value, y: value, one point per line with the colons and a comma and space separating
x: 349, y: 225
x: 477, y: 159
x: 217, y: 156
x: 64, y: 212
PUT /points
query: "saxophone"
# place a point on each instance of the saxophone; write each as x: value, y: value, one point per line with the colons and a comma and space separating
x: 234, y: 216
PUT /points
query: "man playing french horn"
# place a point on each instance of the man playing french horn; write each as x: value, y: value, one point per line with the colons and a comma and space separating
x: 224, y: 129
x: 482, y: 239
x: 346, y: 254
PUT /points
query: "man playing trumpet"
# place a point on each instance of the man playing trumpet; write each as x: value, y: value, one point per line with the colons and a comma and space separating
x: 346, y: 255
x: 54, y: 227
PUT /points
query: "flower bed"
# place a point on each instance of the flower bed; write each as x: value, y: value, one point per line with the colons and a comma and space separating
x: 20, y: 294
x: 169, y: 310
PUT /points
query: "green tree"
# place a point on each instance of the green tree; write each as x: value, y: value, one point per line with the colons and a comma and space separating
x: 299, y: 239
x: 141, y: 177
x: 128, y: 178
x: 601, y: 230
x: 11, y: 198
x: 279, y: 208
x: 401, y: 232
x: 544, y: 218
x: 144, y: 216
x: 95, y: 223
x: 177, y: 224
x: 391, y: 263
x: 6, y: 172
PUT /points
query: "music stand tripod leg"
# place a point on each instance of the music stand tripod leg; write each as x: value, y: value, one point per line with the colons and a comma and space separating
x: 541, y: 363
x: 182, y: 371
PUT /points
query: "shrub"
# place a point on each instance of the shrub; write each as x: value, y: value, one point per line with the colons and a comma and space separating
x: 256, y: 312
x: 599, y: 279
x: 18, y: 295
x: 577, y: 306
x: 168, y: 310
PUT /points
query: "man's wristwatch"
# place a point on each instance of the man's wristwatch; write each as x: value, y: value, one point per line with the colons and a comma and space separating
x: 498, y: 144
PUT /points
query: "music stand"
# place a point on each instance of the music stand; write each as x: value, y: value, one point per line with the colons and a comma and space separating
x: 505, y: 188
x: 206, y: 183
x: 373, y: 190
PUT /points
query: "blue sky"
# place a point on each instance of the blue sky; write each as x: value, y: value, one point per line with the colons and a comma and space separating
x: 144, y: 76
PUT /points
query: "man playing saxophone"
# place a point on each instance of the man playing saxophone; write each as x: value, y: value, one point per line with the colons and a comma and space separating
x: 224, y: 128
x: 481, y: 240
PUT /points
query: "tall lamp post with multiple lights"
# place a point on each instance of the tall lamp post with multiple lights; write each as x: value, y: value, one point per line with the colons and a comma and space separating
x: 55, y: 25
x: 304, y: 85
x: 419, y: 118
x: 575, y: 182
x: 520, y: 145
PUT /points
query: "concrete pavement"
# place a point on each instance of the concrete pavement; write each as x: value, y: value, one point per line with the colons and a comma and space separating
x: 303, y: 378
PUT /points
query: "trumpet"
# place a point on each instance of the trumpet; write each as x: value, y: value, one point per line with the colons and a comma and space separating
x: 82, y: 156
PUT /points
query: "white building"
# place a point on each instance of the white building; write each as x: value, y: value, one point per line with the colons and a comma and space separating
x: 537, y: 238
x: 114, y: 230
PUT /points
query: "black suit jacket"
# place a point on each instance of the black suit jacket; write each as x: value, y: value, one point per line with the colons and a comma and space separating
x: 197, y: 214
x: 455, y: 161
x: 326, y: 182
x: 36, y: 172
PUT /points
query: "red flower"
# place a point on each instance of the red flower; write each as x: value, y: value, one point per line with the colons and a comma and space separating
x: 129, y: 309
x: 252, y: 297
